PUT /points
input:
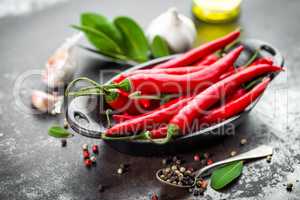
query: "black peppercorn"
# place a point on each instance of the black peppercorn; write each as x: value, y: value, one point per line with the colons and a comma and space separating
x: 196, y: 192
x: 289, y: 187
x: 100, y: 188
x: 63, y: 142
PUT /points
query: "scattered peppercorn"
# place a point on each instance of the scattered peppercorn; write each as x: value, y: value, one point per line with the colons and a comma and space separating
x: 164, y: 161
x: 85, y: 147
x: 269, y: 158
x: 154, y: 196
x: 63, y: 142
x: 233, y: 153
x: 206, y: 155
x: 86, y: 154
x: 196, y: 192
x: 66, y: 125
x: 177, y: 175
x: 162, y: 176
x: 174, y: 159
x: 199, y: 183
x: 101, y: 188
x: 120, y: 171
x: 201, y: 191
x: 178, y: 162
x: 167, y: 170
x: 191, y: 169
x: 196, y: 157
x: 88, y: 163
x: 182, y: 169
x: 209, y: 162
x: 174, y: 167
x: 95, y: 149
x: 289, y: 187
x: 243, y: 141
x: 93, y: 159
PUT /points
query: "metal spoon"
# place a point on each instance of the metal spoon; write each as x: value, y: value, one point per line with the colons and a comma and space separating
x: 259, y: 152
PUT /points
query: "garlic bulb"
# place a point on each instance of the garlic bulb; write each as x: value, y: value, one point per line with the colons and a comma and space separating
x: 61, y: 66
x: 178, y: 30
x: 45, y: 102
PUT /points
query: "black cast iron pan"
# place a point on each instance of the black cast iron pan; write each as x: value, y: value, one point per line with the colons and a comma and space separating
x: 83, y: 115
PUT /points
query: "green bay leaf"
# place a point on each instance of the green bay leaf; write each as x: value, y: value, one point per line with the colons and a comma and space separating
x: 58, y: 132
x: 226, y: 174
x: 135, y: 41
x: 100, y: 40
x: 114, y: 56
x: 159, y: 47
x: 102, y: 24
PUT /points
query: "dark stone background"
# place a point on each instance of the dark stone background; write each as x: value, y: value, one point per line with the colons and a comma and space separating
x: 34, y: 166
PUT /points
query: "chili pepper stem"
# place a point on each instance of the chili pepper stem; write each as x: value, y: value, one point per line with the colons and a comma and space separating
x: 253, y: 57
x: 172, y: 131
x: 141, y: 136
x: 124, y: 85
x: 138, y: 95
x: 72, y: 83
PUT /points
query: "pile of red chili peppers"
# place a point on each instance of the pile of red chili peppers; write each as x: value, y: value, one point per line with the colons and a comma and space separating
x: 197, y: 88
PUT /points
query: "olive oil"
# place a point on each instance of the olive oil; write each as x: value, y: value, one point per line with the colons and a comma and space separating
x: 216, y: 11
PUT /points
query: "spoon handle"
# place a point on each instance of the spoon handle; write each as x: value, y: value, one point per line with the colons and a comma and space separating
x: 259, y: 152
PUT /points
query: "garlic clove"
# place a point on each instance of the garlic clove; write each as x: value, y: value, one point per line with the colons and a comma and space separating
x: 178, y: 30
x: 43, y: 101
x: 61, y: 66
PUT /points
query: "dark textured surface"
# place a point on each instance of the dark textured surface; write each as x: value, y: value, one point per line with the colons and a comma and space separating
x: 34, y: 166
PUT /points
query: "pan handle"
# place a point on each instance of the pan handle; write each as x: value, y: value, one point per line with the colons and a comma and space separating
x: 79, y: 116
x: 265, y: 49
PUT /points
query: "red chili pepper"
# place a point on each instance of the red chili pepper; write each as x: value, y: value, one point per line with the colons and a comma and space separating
x: 208, y: 60
x: 162, y: 131
x: 200, y: 52
x: 180, y: 123
x: 164, y: 83
x: 240, y: 92
x: 125, y: 117
x: 158, y: 133
x: 119, y: 101
x: 264, y: 60
x: 174, y: 71
x: 122, y: 118
x: 116, y: 98
x: 256, y: 62
x: 161, y: 115
x: 236, y: 105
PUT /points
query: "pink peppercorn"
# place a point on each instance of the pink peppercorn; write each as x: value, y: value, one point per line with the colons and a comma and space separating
x: 196, y: 157
x: 86, y: 154
x: 88, y: 163
x: 209, y: 162
x: 95, y: 149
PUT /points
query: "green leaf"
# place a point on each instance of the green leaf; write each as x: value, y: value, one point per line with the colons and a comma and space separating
x: 135, y: 41
x: 159, y: 47
x: 58, y: 132
x: 101, y: 23
x: 226, y: 174
x: 113, y: 56
x: 100, y: 41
